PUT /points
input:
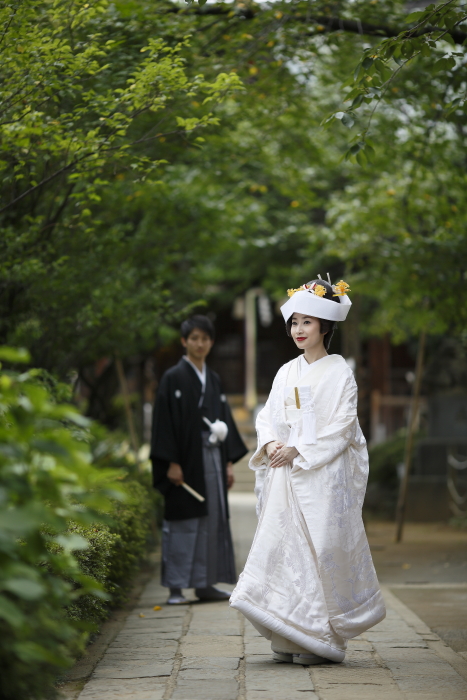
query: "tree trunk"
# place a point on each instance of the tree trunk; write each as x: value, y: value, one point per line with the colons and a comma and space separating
x: 404, y: 485
x: 126, y: 402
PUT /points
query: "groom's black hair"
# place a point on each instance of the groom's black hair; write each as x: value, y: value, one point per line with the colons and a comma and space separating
x: 325, y: 326
x: 197, y: 321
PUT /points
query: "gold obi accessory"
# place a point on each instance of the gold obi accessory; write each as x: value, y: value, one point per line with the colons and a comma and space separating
x: 301, y: 417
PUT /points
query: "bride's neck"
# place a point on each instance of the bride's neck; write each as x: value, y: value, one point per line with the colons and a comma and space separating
x: 313, y: 354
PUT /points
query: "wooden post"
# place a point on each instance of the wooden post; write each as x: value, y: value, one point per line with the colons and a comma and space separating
x: 404, y: 485
x: 126, y: 403
x: 251, y: 396
x: 375, y: 413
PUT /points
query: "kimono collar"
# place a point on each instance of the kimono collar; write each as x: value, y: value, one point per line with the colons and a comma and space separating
x: 304, y: 366
x: 201, y: 375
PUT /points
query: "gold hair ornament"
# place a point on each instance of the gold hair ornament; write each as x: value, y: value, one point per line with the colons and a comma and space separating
x: 315, y: 288
x: 341, y: 288
x: 291, y: 292
x: 319, y: 290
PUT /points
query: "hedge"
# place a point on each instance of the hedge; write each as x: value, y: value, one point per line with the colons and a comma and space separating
x: 71, y: 532
x: 115, y: 551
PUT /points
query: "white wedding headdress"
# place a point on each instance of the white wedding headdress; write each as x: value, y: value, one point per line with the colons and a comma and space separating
x: 308, y: 300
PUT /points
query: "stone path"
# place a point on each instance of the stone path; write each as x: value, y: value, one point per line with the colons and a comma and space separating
x: 207, y: 651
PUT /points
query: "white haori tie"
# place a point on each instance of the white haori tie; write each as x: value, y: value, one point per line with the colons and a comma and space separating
x: 302, y: 417
x: 219, y: 430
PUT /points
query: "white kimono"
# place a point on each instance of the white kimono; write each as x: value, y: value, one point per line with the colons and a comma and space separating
x: 309, y: 576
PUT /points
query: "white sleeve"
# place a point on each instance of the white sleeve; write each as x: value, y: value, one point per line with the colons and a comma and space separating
x: 265, y: 435
x: 335, y: 437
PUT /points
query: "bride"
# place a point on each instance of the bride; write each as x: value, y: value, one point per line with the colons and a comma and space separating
x: 309, y: 583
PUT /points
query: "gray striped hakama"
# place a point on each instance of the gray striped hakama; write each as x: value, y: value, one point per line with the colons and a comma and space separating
x: 198, y: 552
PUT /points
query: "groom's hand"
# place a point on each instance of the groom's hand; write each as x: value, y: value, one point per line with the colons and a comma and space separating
x: 175, y: 473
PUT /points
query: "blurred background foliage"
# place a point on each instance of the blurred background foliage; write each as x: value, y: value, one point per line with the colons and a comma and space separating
x: 144, y: 144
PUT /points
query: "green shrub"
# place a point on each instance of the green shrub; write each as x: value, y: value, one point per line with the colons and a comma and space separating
x: 115, y: 550
x: 384, y: 459
x: 48, y: 488
x: 459, y: 522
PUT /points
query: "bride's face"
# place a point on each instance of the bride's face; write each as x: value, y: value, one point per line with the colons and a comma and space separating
x: 305, y: 331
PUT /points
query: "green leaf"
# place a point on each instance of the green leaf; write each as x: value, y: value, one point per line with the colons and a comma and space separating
x: 72, y: 542
x: 357, y: 71
x: 361, y: 158
x: 448, y: 38
x: 49, y: 447
x: 407, y: 49
x: 352, y: 94
x: 24, y: 588
x: 32, y: 651
x: 357, y: 101
x: 425, y: 50
x: 348, y: 120
x: 370, y: 151
x: 414, y: 16
x: 22, y: 520
x: 20, y: 355
x: 441, y: 64
x: 10, y: 612
x: 77, y: 418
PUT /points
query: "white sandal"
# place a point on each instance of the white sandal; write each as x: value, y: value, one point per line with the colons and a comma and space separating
x: 177, y: 600
x: 282, y: 658
x: 309, y: 659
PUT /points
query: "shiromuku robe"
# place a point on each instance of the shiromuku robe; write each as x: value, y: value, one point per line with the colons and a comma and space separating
x: 309, y: 576
x: 197, y: 546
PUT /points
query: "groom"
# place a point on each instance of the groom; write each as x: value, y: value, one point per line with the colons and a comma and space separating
x: 189, y: 446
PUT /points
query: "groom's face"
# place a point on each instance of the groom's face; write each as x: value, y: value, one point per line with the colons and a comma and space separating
x: 198, y: 344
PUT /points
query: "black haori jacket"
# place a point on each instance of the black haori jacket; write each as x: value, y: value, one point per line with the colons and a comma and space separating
x: 176, y: 437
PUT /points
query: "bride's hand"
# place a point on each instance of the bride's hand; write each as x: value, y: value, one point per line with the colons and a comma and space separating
x: 283, y: 456
x: 272, y: 447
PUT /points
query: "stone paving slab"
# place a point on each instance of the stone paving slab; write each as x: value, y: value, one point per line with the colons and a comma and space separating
x: 211, y: 645
x: 161, y: 634
x: 137, y: 689
x: 278, y: 681
x: 200, y: 662
x: 147, y: 623
x: 138, y: 654
x: 132, y: 669
x: 145, y: 641
x: 206, y: 674
x: 206, y: 690
x: 163, y: 625
x: 257, y: 645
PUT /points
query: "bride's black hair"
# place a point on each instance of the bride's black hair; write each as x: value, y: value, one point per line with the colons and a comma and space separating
x: 327, y: 327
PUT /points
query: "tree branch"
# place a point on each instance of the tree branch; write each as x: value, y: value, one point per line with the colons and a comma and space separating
x: 325, y: 24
